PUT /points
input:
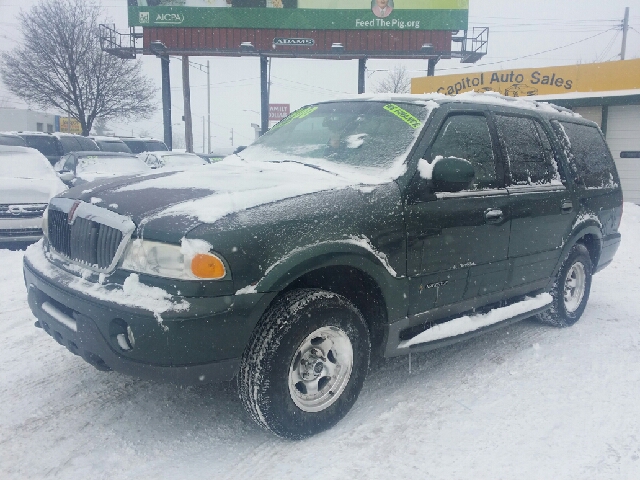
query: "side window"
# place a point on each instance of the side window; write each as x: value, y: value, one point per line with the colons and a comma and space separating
x: 69, y: 164
x: 587, y: 151
x: 529, y: 163
x: 467, y: 136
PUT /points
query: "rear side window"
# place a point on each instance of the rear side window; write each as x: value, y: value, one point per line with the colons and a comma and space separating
x: 87, y: 145
x: 12, y: 141
x: 120, y: 147
x: 528, y: 151
x: 587, y: 151
x: 156, y: 146
x: 136, y: 146
x: 468, y: 137
x: 45, y: 144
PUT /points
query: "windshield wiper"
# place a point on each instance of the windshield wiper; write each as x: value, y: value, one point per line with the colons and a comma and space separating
x: 310, y: 165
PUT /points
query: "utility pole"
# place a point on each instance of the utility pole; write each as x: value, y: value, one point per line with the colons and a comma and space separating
x: 232, y: 137
x: 208, y: 110
x: 625, y: 30
x: 204, y: 145
x: 186, y: 91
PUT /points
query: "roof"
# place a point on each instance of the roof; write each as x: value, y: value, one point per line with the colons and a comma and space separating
x: 588, y: 99
x: 105, y: 139
x: 91, y: 153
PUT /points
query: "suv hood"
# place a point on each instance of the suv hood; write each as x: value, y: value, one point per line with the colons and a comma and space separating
x: 29, y: 190
x: 208, y: 193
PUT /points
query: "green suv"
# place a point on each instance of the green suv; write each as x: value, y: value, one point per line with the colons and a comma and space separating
x: 381, y: 225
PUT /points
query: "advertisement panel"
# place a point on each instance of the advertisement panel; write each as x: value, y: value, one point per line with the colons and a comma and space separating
x: 592, y: 77
x: 279, y: 111
x: 68, y: 125
x: 302, y: 14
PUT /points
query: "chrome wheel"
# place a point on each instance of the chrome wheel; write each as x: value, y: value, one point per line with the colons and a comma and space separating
x: 574, y: 287
x: 320, y: 369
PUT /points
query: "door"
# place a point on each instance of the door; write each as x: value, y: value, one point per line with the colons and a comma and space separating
x: 458, y: 242
x: 542, y: 209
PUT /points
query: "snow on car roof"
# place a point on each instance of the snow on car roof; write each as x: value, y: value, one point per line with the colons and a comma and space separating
x: 487, y: 98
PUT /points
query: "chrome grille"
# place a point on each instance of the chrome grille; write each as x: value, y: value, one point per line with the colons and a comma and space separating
x: 22, y: 210
x: 86, y: 241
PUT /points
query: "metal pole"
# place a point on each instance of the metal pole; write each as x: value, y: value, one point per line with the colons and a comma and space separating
x: 208, y: 109
x: 186, y: 91
x: 431, y: 69
x: 166, y: 102
x: 625, y: 30
x: 362, y: 68
x: 204, y: 145
x: 264, y: 94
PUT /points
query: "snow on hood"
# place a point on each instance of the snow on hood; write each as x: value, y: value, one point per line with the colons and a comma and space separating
x: 29, y: 190
x: 241, y: 183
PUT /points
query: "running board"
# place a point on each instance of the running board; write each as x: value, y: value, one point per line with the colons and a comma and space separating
x: 468, y: 326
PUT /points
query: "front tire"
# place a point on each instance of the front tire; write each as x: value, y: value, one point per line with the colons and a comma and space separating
x: 305, y: 363
x: 571, y: 289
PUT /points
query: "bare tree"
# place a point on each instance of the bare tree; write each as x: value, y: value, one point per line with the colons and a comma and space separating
x: 60, y: 65
x: 396, y: 81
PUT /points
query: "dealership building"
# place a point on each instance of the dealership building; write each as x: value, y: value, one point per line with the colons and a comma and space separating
x: 606, y: 93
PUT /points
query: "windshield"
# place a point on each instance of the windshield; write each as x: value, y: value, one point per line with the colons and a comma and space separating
x: 24, y: 165
x: 110, y: 165
x: 182, y: 160
x: 12, y: 140
x: 357, y: 134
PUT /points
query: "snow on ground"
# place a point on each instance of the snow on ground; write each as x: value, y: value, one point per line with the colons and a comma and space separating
x: 529, y: 401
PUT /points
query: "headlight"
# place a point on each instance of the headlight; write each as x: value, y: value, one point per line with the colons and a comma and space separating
x: 45, y: 223
x: 191, y: 261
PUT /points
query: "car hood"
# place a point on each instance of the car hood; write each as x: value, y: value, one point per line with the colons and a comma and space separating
x: 29, y: 190
x: 209, y: 193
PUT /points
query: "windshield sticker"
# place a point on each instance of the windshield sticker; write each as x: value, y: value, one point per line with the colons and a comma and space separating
x: 403, y: 115
x: 303, y: 112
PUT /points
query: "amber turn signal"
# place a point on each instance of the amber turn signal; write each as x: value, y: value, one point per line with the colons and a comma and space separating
x: 205, y: 265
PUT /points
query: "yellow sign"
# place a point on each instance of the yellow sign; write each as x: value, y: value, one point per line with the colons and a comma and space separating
x: 592, y: 77
x: 70, y: 125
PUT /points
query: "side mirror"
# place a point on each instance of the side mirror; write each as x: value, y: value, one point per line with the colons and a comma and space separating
x: 452, y: 174
x: 66, y: 176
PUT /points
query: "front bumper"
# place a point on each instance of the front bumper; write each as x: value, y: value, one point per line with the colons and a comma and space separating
x: 20, y: 229
x: 200, y: 345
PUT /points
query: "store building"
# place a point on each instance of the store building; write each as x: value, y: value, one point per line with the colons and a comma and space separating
x: 607, y: 93
x: 15, y: 120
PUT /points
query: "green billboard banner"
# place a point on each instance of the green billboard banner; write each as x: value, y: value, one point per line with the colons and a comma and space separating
x: 302, y: 14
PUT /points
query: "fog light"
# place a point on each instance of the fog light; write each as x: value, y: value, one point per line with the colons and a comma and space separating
x: 126, y: 342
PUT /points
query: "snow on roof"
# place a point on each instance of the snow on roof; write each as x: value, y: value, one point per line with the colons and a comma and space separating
x: 105, y: 139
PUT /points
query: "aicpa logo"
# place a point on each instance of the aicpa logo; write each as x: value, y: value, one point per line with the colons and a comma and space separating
x: 169, y: 18
x: 143, y: 17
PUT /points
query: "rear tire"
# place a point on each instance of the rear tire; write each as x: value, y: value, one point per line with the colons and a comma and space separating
x: 305, y: 363
x: 571, y: 289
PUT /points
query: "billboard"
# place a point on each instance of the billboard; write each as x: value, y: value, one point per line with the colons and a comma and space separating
x: 278, y: 111
x: 592, y: 77
x: 69, y: 125
x: 302, y: 14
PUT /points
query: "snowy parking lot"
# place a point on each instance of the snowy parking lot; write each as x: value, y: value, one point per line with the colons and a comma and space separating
x: 528, y: 401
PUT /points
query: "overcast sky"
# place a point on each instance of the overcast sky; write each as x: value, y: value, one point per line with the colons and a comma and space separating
x: 520, y: 30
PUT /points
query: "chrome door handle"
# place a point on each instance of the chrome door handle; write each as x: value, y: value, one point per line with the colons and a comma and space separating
x: 493, y: 215
x: 567, y: 206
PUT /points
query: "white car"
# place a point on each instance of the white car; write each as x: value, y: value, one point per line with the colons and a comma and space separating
x: 27, y: 183
x: 172, y: 160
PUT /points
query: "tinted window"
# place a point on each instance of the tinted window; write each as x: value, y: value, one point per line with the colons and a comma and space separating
x: 155, y: 146
x: 113, y: 146
x: 468, y: 137
x: 69, y: 144
x: 87, y: 145
x: 530, y: 161
x: 45, y: 144
x: 587, y: 150
x: 13, y: 141
x: 136, y: 146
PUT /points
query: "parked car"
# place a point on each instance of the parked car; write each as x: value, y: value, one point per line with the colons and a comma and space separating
x: 82, y: 167
x: 140, y: 145
x: 216, y: 155
x: 12, y: 140
x: 111, y: 144
x: 172, y: 160
x: 383, y: 225
x: 55, y: 145
x: 27, y: 183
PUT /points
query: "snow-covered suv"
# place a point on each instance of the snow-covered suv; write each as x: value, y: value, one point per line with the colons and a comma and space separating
x: 379, y: 225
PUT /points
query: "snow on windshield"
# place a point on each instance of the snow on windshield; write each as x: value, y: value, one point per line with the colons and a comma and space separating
x: 110, y: 165
x: 354, y: 134
x: 24, y: 165
x: 173, y: 161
